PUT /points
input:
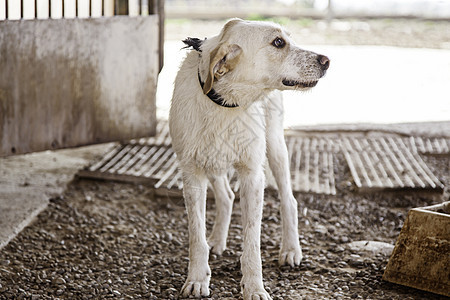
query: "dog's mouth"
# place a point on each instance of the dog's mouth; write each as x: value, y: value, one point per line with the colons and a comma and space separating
x: 299, y: 84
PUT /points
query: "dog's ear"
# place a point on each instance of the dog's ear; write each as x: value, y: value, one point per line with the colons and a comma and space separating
x: 222, y: 60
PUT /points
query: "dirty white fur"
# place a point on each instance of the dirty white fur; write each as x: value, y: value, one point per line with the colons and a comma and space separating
x: 243, y: 65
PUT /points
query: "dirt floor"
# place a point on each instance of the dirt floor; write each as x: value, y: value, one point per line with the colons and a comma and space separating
x: 104, y: 240
x: 107, y: 239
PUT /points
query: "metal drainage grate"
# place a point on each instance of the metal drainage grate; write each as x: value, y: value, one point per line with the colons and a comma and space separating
x: 152, y: 160
x: 387, y: 163
x: 311, y: 161
x: 432, y: 146
x: 311, y: 168
x: 375, y: 163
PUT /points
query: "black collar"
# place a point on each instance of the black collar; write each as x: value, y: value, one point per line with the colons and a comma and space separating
x: 215, y: 97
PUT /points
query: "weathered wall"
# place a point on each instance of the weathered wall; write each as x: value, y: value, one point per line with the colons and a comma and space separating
x: 72, y: 82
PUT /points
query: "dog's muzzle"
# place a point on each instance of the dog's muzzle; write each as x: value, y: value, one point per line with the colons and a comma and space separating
x: 324, y: 64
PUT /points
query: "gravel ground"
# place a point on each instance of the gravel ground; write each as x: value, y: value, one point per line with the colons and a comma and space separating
x: 115, y: 240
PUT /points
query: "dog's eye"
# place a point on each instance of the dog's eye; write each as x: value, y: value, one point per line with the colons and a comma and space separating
x: 279, y: 43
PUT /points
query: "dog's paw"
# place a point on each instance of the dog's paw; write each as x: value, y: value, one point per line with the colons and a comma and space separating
x: 216, y: 246
x: 256, y: 294
x: 197, y: 289
x: 263, y: 295
x: 291, y: 257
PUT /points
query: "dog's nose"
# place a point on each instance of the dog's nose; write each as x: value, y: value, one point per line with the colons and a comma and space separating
x: 323, y: 61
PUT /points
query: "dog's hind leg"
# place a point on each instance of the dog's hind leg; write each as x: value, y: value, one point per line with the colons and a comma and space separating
x: 199, y: 273
x: 224, y: 196
x: 290, y: 251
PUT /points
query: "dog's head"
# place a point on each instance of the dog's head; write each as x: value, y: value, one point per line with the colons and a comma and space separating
x: 259, y: 54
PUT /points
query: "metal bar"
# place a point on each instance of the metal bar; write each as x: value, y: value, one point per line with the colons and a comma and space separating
x: 352, y: 169
x: 313, y: 145
x: 358, y: 146
x: 324, y: 174
x: 90, y: 8
x: 298, y: 151
x: 345, y: 144
x: 357, y: 160
x: 388, y: 164
x: 399, y: 169
x: 429, y: 146
x: 315, y: 169
x: 167, y: 170
x: 125, y: 160
x: 136, y: 157
x: 151, y: 162
x: 362, y: 168
x: 413, y: 144
x: 102, y: 13
x: 322, y: 144
x: 158, y: 163
x: 169, y: 173
x: 419, y: 144
x: 381, y: 169
x: 143, y: 159
x: 50, y: 9
x: 21, y: 9
x: 408, y: 166
x: 372, y: 169
x: 176, y: 180
x: 307, y: 183
x: 445, y: 144
x: 437, y: 146
x: 76, y: 8
x: 105, y: 159
x: 420, y: 166
x: 115, y: 159
x: 331, y: 174
x: 290, y: 147
x: 62, y: 7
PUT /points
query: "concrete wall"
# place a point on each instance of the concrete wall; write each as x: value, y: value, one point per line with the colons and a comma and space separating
x: 73, y: 82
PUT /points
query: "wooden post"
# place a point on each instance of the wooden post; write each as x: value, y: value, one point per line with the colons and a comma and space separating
x: 121, y: 7
x: 161, y: 33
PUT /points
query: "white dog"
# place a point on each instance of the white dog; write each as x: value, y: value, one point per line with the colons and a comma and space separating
x: 227, y: 113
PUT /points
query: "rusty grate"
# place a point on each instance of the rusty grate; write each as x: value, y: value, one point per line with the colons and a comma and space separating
x: 387, y: 163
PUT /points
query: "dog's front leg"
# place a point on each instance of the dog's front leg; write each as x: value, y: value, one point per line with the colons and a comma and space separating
x: 252, y: 189
x: 199, y: 273
x: 290, y: 251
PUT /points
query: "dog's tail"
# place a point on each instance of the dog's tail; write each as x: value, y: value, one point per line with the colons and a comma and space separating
x: 195, y: 43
